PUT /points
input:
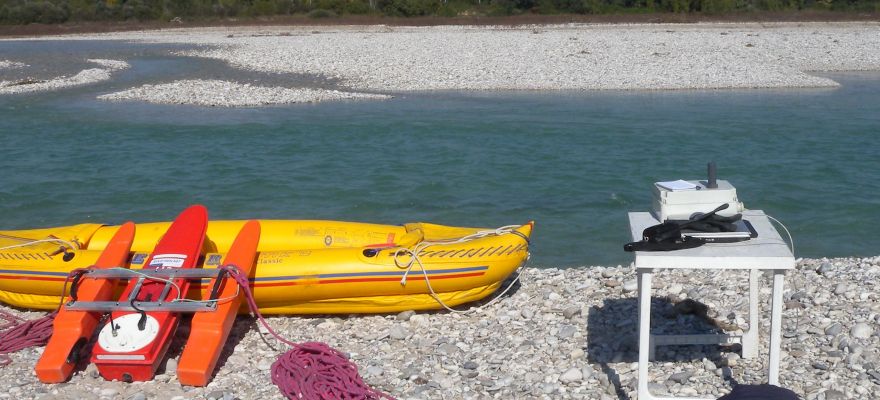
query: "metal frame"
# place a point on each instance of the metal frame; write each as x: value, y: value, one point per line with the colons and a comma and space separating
x: 130, y: 304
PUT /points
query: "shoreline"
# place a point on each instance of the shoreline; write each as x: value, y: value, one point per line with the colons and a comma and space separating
x: 566, y: 333
x: 42, y: 30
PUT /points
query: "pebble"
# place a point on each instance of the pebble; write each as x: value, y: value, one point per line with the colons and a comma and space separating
x: 398, y: 332
x: 406, y: 315
x: 861, y: 330
x: 571, y: 311
x: 630, y: 285
x: 832, y: 394
x: 572, y: 375
x: 681, y: 377
x: 834, y: 329
x: 171, y: 366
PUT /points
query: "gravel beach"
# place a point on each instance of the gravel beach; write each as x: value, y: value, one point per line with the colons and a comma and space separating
x: 546, y: 57
x: 561, y: 333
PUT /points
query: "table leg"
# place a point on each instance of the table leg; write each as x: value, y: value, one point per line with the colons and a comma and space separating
x: 776, y: 327
x: 750, y: 338
x: 644, y: 277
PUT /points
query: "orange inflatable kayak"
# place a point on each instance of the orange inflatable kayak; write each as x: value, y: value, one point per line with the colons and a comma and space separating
x: 210, y: 329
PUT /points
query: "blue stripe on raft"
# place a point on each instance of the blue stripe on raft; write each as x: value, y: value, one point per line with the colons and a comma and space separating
x: 15, y: 271
x: 379, y: 273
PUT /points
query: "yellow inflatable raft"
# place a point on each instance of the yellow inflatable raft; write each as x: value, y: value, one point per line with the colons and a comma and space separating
x: 303, y: 267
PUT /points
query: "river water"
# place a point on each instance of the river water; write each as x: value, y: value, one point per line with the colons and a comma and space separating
x: 575, y: 162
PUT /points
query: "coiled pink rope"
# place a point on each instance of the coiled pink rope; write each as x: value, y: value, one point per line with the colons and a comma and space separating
x: 20, y: 334
x: 311, y: 370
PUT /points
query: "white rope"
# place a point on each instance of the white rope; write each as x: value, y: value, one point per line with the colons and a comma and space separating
x: 414, y: 259
x: 69, y: 245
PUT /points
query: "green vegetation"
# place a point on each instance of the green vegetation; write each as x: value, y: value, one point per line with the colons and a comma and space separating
x: 58, y: 11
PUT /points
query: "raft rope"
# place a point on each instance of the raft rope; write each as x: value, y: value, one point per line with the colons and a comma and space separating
x: 67, y: 247
x: 23, y: 334
x: 18, y: 334
x: 415, y: 259
x: 310, y: 370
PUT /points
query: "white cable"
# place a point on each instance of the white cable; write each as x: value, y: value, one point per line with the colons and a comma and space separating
x: 154, y: 278
x: 806, y: 280
x: 416, y: 259
x: 790, y: 239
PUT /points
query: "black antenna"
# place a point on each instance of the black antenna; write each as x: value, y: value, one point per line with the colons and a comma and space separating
x: 712, y: 183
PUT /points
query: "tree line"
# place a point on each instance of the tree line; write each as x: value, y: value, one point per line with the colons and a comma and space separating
x: 59, y: 11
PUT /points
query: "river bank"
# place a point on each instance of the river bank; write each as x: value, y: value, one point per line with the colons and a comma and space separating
x: 560, y: 334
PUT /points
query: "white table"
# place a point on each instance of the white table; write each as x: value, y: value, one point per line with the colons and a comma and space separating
x: 766, y: 252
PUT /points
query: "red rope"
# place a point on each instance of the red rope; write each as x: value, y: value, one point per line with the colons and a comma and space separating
x: 311, y: 370
x: 23, y: 334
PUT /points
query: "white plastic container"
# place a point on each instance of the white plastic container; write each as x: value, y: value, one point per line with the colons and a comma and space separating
x: 681, y: 204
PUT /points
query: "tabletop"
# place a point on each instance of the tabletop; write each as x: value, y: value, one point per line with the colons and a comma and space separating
x: 767, y: 251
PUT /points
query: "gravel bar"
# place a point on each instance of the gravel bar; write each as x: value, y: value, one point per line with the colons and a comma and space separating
x: 545, y: 57
x: 561, y: 334
x: 84, y: 77
x: 216, y: 93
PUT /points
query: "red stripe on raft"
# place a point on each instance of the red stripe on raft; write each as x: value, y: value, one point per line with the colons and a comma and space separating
x: 30, y: 278
x: 413, y: 275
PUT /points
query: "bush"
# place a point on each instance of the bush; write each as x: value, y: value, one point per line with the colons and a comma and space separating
x: 408, y: 8
x: 29, y: 12
x: 140, y: 10
x: 357, y: 7
x: 322, y: 13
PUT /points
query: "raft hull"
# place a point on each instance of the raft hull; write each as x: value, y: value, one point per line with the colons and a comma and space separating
x: 303, y: 267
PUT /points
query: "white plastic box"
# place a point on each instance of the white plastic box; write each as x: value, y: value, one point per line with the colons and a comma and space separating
x: 682, y: 204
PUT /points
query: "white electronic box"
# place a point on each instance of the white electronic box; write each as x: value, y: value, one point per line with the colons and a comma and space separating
x: 679, y: 200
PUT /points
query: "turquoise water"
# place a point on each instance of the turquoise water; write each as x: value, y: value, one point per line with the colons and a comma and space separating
x: 575, y: 162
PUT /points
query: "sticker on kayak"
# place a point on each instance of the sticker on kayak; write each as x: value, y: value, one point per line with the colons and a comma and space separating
x: 168, y: 260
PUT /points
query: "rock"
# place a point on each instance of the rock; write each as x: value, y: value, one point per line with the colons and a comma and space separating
x: 612, y: 283
x: 572, y: 375
x: 571, y: 311
x: 681, y: 377
x: 527, y: 313
x: 406, y: 315
x: 861, y: 330
x: 820, y: 366
x: 470, y: 365
x: 109, y: 392
x: 832, y: 394
x: 631, y: 285
x: 577, y: 354
x: 566, y: 331
x: 171, y: 366
x: 374, y: 370
x: 138, y: 396
x: 834, y: 329
x: 398, y: 332
x: 825, y: 268
x: 215, y: 395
